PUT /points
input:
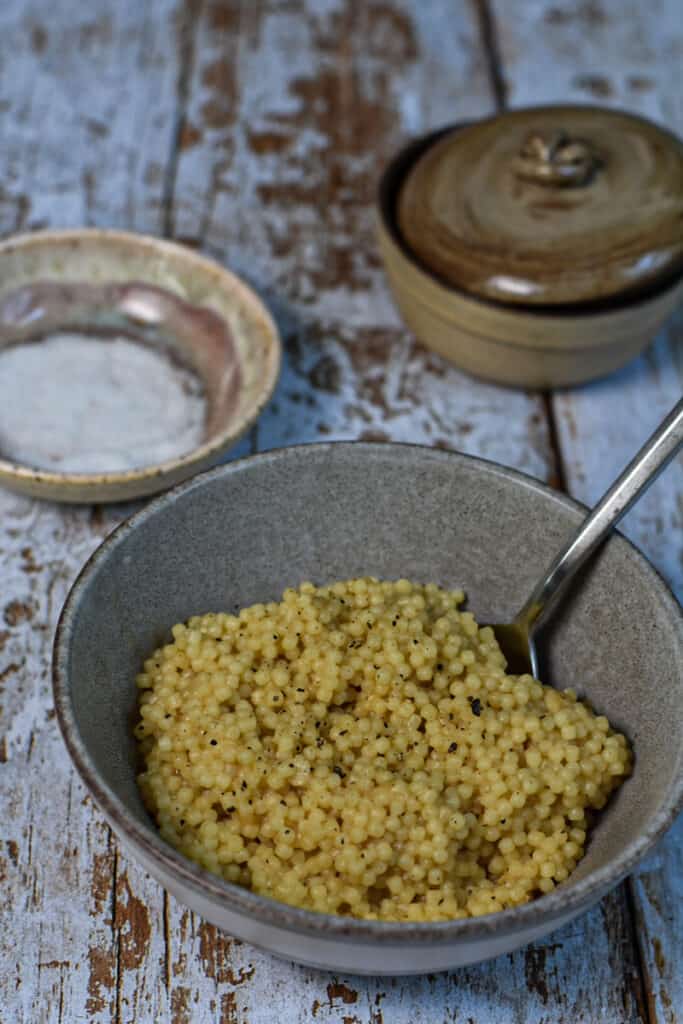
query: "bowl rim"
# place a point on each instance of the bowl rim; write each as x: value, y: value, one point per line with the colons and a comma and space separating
x: 134, y: 480
x: 564, y: 901
x: 393, y: 176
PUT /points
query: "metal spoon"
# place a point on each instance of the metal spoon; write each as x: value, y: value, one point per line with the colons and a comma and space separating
x: 516, y: 639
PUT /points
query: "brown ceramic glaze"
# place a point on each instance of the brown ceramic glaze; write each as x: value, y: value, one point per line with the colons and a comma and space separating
x: 549, y: 206
x: 506, y: 342
x: 519, y: 347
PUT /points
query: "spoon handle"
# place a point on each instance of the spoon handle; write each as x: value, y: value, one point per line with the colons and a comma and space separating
x: 652, y: 458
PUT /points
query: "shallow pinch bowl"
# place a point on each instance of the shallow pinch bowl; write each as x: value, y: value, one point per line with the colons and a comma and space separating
x: 98, y: 256
x: 245, y: 531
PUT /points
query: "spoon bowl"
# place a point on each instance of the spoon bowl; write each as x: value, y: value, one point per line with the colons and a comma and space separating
x: 516, y: 638
x: 516, y: 643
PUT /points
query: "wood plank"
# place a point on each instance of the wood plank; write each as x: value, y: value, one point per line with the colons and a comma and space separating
x: 657, y: 889
x: 629, y: 56
x: 279, y: 94
x: 602, y: 426
x: 553, y: 981
x: 594, y: 51
x: 88, y: 102
x: 293, y: 213
x: 293, y: 111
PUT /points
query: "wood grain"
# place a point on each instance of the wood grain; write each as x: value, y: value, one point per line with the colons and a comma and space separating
x: 623, y: 55
x: 325, y: 93
x: 88, y: 103
x: 256, y: 132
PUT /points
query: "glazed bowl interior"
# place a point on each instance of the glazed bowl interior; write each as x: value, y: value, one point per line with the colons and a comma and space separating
x: 244, y: 532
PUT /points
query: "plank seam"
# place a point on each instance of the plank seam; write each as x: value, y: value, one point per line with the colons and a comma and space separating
x: 167, y: 940
x: 187, y: 38
x: 558, y: 478
x: 119, y: 981
x: 644, y: 993
x: 488, y: 32
x: 116, y: 937
x: 494, y: 64
x: 489, y: 40
x: 60, y: 1008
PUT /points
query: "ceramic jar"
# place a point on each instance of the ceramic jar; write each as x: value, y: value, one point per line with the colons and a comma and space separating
x: 539, y: 248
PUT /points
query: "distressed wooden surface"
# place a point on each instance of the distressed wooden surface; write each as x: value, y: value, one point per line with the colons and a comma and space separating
x: 256, y: 132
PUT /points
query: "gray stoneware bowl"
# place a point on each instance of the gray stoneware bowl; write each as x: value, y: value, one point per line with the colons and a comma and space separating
x: 245, y: 531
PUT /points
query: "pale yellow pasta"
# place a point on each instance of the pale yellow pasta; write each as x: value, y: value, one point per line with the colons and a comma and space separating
x: 358, y: 749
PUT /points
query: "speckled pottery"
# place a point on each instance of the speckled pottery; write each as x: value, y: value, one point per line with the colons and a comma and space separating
x: 58, y: 278
x: 243, y: 532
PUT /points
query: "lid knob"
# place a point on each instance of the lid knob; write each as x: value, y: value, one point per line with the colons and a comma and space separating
x: 556, y: 159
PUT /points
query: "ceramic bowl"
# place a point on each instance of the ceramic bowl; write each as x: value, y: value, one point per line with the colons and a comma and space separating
x: 188, y: 310
x: 510, y: 344
x: 245, y: 531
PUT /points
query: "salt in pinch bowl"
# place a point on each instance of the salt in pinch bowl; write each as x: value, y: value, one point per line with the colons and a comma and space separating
x: 127, y: 363
x: 245, y: 531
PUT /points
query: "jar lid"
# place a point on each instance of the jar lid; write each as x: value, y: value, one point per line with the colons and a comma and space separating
x: 548, y: 206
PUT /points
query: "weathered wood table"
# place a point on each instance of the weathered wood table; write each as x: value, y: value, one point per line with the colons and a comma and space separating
x: 256, y: 131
